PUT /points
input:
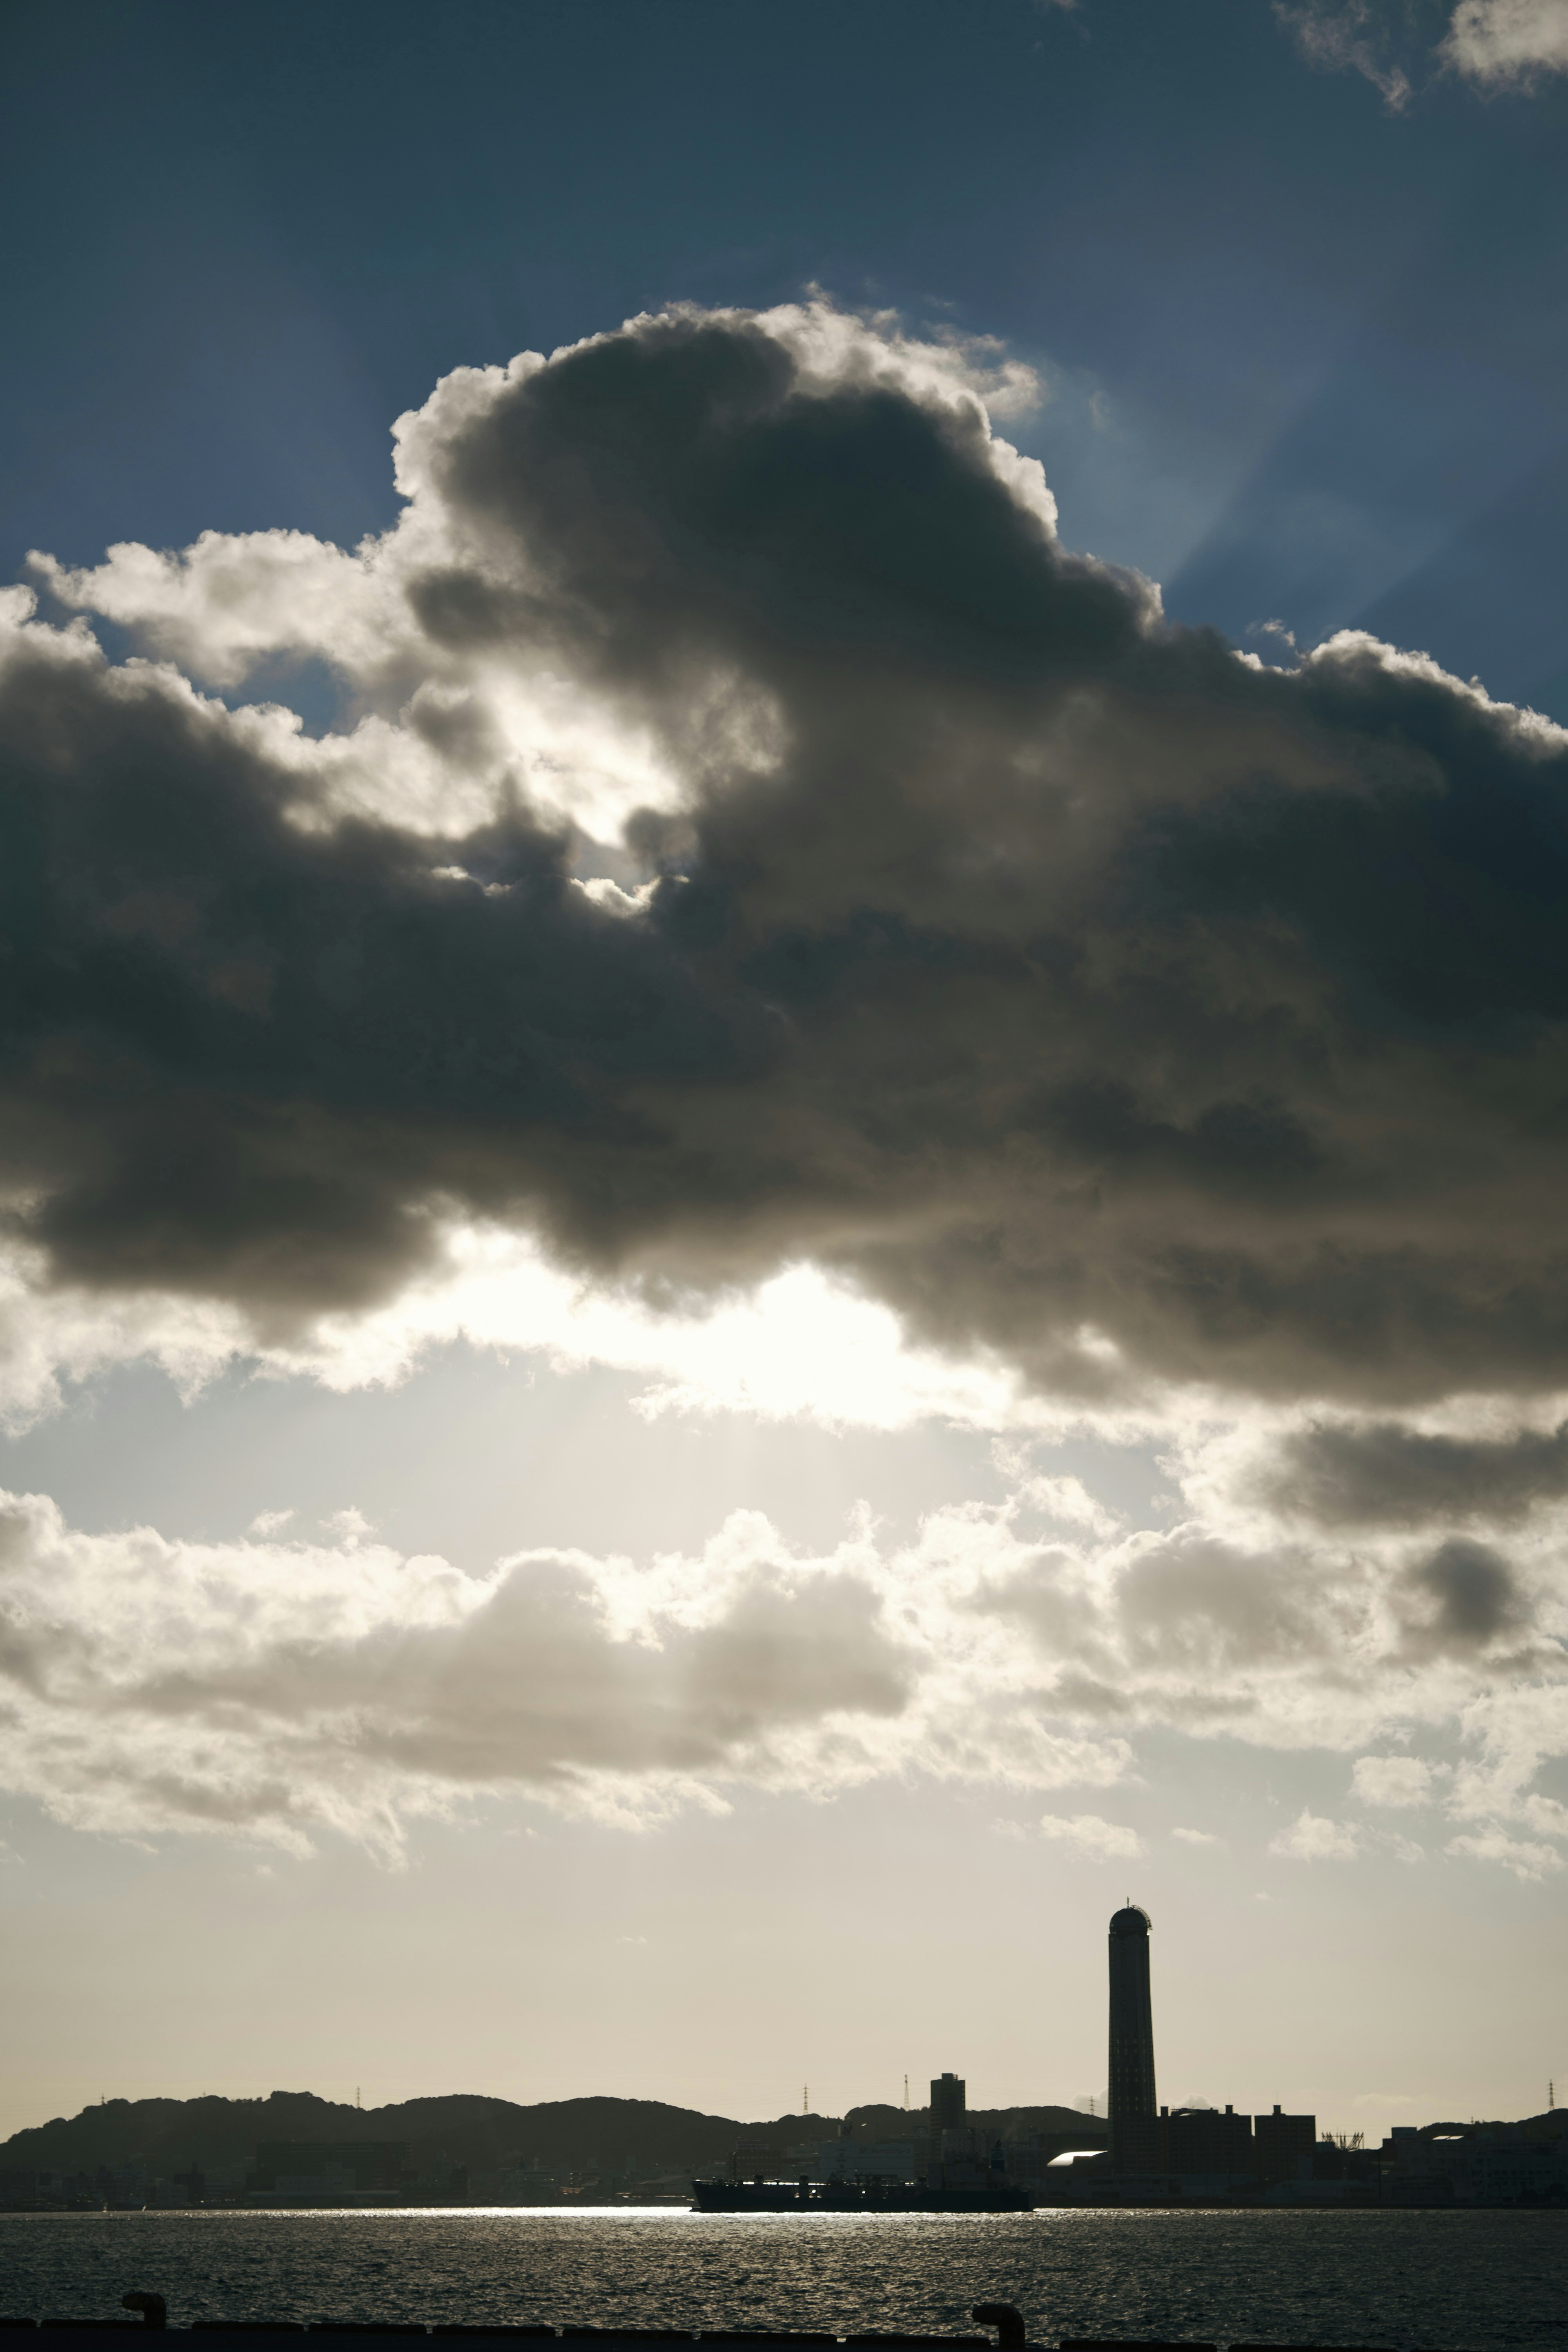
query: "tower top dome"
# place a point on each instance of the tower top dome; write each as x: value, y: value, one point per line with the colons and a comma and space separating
x: 1131, y: 1922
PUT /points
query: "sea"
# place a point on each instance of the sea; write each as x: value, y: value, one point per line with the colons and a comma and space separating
x: 1414, y: 2281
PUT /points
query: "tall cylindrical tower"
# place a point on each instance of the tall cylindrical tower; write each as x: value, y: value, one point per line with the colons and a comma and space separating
x: 1131, y: 2077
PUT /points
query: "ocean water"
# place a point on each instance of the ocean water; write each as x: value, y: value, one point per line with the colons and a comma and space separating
x: 1433, y: 2281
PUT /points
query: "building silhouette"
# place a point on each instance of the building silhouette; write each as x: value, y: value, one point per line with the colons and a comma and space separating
x: 1205, y: 2142
x: 1284, y: 2146
x: 947, y: 2133
x: 1196, y: 2146
x: 949, y: 2105
x: 1134, y: 2115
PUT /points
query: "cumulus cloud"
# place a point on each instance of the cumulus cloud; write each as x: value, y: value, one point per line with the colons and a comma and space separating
x: 1392, y: 1780
x: 278, y: 1688
x: 1497, y: 42
x: 972, y: 933
x: 1294, y: 1644
x: 275, y: 1688
x: 770, y: 916
x: 1381, y: 1473
x: 1312, y: 1838
x: 1473, y: 1595
x: 1525, y: 1860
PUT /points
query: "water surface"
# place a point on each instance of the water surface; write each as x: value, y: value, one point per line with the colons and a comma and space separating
x: 1441, y: 2282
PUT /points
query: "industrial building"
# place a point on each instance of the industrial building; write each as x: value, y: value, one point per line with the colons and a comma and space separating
x: 1131, y: 2066
x: 1185, y: 2151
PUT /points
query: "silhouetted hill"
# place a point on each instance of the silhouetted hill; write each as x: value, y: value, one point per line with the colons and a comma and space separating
x: 996, y: 2122
x: 622, y: 2135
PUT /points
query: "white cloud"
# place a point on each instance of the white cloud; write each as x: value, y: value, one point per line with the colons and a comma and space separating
x: 1392, y: 1780
x: 277, y: 1689
x: 1525, y: 1860
x: 1198, y: 1837
x: 274, y: 1686
x: 1108, y: 1841
x: 1346, y: 37
x: 349, y: 1526
x: 1496, y: 42
x: 1312, y: 1838
x: 269, y: 1523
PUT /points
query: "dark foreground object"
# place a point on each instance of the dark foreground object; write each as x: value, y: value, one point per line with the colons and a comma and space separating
x: 391, y: 2336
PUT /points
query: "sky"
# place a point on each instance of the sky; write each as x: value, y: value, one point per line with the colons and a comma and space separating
x: 784, y: 1049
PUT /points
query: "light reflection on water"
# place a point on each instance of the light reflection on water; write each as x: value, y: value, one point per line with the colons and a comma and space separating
x: 1467, y: 2280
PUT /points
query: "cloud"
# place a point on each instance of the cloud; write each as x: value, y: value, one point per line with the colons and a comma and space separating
x: 1312, y: 1838
x: 1392, y: 1781
x: 1474, y: 1594
x: 801, y: 1344
x: 1384, y: 1473
x: 1286, y: 1641
x: 1494, y: 44
x: 1198, y: 1837
x: 280, y: 1689
x: 975, y: 935
x: 1499, y: 42
x: 1346, y: 38
x: 773, y: 918
x: 1107, y: 1841
x: 269, y: 1523
x: 1525, y: 1860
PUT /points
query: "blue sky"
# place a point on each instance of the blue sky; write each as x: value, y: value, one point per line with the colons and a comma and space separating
x: 1325, y: 339
x: 902, y: 1572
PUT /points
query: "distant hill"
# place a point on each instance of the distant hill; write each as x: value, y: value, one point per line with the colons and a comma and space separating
x: 641, y: 2135
x: 996, y: 2122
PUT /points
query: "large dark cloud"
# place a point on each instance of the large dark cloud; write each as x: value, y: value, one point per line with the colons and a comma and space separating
x: 1045, y: 966
x: 1382, y: 1473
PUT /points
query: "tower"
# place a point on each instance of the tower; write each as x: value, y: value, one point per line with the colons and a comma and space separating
x: 1133, y: 2114
x: 947, y: 2103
